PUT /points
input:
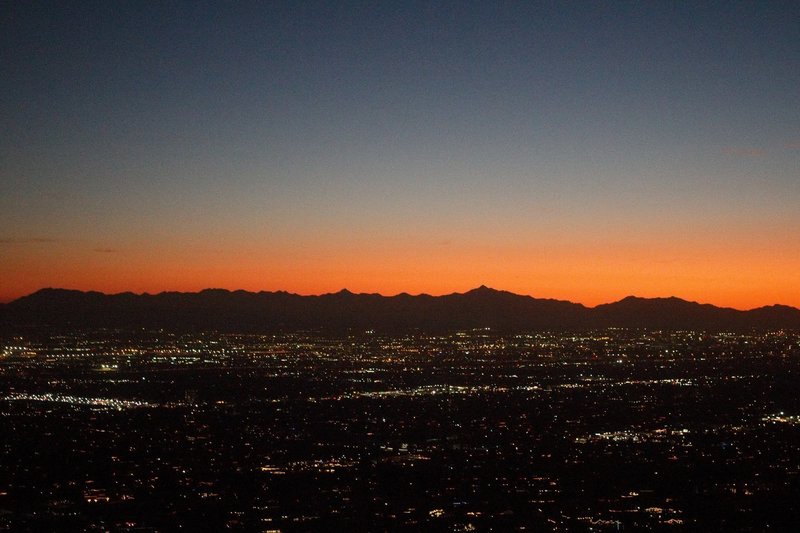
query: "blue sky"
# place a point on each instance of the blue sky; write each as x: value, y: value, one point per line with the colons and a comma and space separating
x: 165, y: 131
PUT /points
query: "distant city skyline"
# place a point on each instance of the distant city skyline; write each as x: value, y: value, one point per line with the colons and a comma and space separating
x: 581, y: 151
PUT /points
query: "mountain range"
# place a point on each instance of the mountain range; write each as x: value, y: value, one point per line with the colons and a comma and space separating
x: 242, y: 311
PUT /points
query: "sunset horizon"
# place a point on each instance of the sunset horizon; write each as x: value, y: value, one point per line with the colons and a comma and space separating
x: 459, y: 291
x: 582, y: 152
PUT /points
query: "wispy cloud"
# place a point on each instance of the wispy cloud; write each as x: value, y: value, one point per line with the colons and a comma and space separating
x: 105, y: 250
x: 27, y: 240
x: 744, y: 151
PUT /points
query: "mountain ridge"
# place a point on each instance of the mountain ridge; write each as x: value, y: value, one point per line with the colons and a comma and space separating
x: 266, y: 311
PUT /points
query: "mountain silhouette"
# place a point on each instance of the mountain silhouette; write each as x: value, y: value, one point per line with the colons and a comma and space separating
x: 219, y: 309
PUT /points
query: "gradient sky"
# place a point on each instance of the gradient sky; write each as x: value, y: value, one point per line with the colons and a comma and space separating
x: 572, y: 150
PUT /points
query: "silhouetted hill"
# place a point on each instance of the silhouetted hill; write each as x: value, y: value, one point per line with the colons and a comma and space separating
x: 225, y: 310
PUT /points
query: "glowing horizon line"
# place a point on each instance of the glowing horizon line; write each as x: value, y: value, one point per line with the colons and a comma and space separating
x: 414, y: 295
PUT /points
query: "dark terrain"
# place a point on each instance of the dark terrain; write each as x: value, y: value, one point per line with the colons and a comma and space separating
x: 613, y: 430
x: 217, y: 309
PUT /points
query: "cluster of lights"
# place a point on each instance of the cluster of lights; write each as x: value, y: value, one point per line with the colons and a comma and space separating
x: 111, y: 403
x: 782, y: 418
x: 634, y: 436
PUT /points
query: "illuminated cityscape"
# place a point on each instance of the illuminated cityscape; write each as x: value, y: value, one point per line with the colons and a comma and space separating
x: 607, y: 430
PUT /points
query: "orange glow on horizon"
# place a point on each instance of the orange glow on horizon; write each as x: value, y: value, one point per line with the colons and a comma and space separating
x: 597, y: 275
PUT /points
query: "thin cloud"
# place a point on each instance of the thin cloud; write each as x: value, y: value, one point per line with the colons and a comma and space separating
x: 105, y: 250
x: 29, y: 240
x: 744, y: 152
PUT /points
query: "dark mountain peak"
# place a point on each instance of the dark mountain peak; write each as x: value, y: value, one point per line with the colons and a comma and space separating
x: 54, y: 294
x: 777, y: 307
x: 483, y: 290
x: 52, y: 291
x: 777, y: 314
x: 630, y: 298
x: 282, y: 293
x: 218, y: 292
x: 650, y: 302
x: 48, y: 290
x: 483, y: 306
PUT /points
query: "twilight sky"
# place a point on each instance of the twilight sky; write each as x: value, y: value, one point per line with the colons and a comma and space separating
x: 572, y: 150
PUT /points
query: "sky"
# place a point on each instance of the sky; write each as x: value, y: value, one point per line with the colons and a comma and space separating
x: 573, y: 150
